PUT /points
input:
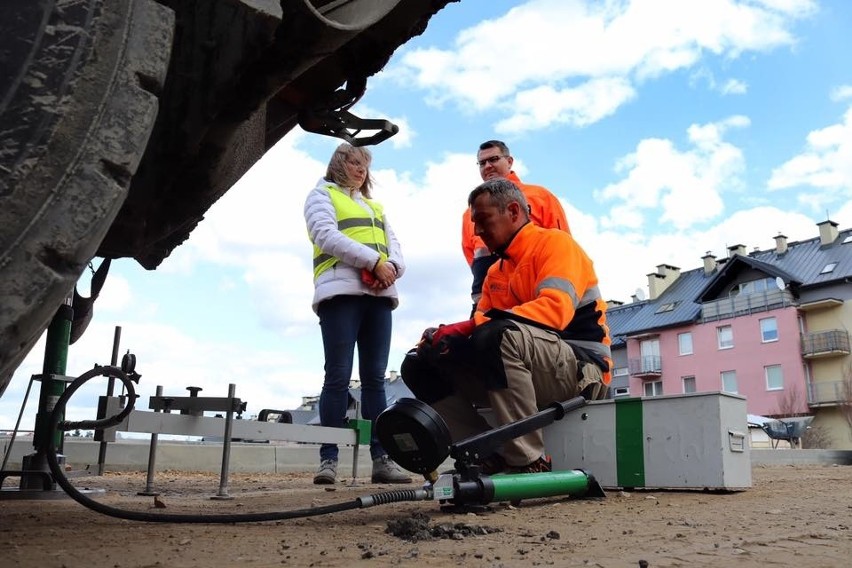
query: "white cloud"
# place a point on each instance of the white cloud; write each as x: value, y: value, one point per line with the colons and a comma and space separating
x: 841, y: 93
x: 825, y: 165
x: 685, y: 185
x: 116, y: 293
x: 546, y: 106
x: 280, y: 284
x: 730, y: 86
x: 558, y: 46
x: 734, y: 87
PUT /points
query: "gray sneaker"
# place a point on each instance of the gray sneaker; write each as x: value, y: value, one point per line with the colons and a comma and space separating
x: 386, y: 471
x: 327, y: 473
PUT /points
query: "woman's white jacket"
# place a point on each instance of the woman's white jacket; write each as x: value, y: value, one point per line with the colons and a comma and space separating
x: 344, y: 278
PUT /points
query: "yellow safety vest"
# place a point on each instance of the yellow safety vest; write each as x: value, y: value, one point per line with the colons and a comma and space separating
x: 354, y: 222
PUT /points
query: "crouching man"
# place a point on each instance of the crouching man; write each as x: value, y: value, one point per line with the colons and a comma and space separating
x: 538, y: 335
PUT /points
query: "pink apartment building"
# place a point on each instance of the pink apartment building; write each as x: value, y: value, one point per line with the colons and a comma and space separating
x: 771, y: 325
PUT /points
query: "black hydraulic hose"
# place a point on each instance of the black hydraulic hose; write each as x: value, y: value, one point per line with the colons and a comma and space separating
x: 62, y: 480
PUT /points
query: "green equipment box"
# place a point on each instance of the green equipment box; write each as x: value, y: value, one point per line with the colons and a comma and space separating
x: 689, y: 441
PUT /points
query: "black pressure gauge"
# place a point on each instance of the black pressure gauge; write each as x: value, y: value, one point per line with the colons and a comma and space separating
x: 414, y: 435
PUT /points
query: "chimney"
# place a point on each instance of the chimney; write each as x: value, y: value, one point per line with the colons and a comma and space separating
x: 392, y: 376
x: 669, y: 271
x: 736, y: 249
x: 827, y: 232
x: 614, y: 303
x: 709, y: 263
x: 780, y: 244
x: 661, y: 279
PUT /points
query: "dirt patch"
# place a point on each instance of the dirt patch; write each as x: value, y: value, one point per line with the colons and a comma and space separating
x: 792, y: 516
x: 417, y: 527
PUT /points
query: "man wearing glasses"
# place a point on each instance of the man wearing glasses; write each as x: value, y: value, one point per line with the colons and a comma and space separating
x: 495, y: 161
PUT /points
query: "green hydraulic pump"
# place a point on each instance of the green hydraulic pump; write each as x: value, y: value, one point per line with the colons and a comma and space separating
x: 417, y: 438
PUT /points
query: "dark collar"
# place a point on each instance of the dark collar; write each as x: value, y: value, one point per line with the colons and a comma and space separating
x: 501, y: 251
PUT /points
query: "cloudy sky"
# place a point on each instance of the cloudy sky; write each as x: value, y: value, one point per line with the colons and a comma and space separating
x: 667, y: 128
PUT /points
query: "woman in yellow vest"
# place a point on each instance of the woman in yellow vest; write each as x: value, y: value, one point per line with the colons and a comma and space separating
x: 357, y: 259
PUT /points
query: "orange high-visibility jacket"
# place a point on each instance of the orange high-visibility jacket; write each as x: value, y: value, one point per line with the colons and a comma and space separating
x: 545, y: 211
x: 546, y: 277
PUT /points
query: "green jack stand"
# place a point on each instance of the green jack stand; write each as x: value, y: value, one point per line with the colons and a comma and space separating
x: 36, y: 479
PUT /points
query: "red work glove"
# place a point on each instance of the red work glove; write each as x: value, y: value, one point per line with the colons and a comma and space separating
x: 463, y: 328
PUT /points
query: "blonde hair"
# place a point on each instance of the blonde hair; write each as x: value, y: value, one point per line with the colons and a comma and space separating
x: 336, y: 172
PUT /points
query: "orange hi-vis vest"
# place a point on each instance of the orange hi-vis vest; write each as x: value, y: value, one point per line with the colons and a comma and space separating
x: 546, y: 277
x: 545, y: 211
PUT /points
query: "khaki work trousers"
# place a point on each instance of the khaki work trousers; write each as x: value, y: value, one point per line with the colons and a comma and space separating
x: 540, y: 369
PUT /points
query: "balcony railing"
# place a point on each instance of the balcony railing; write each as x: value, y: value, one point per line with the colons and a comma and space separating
x: 829, y: 393
x: 831, y: 343
x: 744, y: 304
x: 650, y: 366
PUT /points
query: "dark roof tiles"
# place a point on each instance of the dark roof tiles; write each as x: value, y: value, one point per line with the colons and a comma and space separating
x: 802, y: 264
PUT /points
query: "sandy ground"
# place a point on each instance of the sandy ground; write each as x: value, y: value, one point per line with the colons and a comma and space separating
x: 792, y: 516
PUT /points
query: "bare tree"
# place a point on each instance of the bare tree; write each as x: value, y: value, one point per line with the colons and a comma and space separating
x: 789, y: 406
x: 789, y: 403
x: 846, y: 394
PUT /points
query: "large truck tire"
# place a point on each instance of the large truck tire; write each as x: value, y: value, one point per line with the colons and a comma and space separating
x: 78, y: 100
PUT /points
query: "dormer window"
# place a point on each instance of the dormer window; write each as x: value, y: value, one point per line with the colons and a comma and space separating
x: 666, y: 307
x: 828, y: 268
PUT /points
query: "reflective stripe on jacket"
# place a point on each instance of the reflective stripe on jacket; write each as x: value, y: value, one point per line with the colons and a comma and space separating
x: 357, y: 224
x: 545, y: 277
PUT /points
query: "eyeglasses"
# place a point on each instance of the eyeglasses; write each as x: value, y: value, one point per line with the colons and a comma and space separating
x: 492, y: 160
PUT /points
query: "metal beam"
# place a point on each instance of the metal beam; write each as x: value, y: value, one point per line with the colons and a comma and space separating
x: 184, y: 425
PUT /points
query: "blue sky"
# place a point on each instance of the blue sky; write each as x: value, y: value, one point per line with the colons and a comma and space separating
x: 667, y: 129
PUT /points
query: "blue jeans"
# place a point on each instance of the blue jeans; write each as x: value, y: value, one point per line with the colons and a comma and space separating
x: 347, y: 321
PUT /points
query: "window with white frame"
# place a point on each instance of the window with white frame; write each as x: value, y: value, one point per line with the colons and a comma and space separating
x: 725, y: 336
x: 649, y: 351
x: 729, y: 381
x: 653, y: 388
x: 768, y: 330
x: 620, y: 372
x: 688, y: 384
x: 684, y: 343
x: 622, y: 391
x: 774, y: 377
